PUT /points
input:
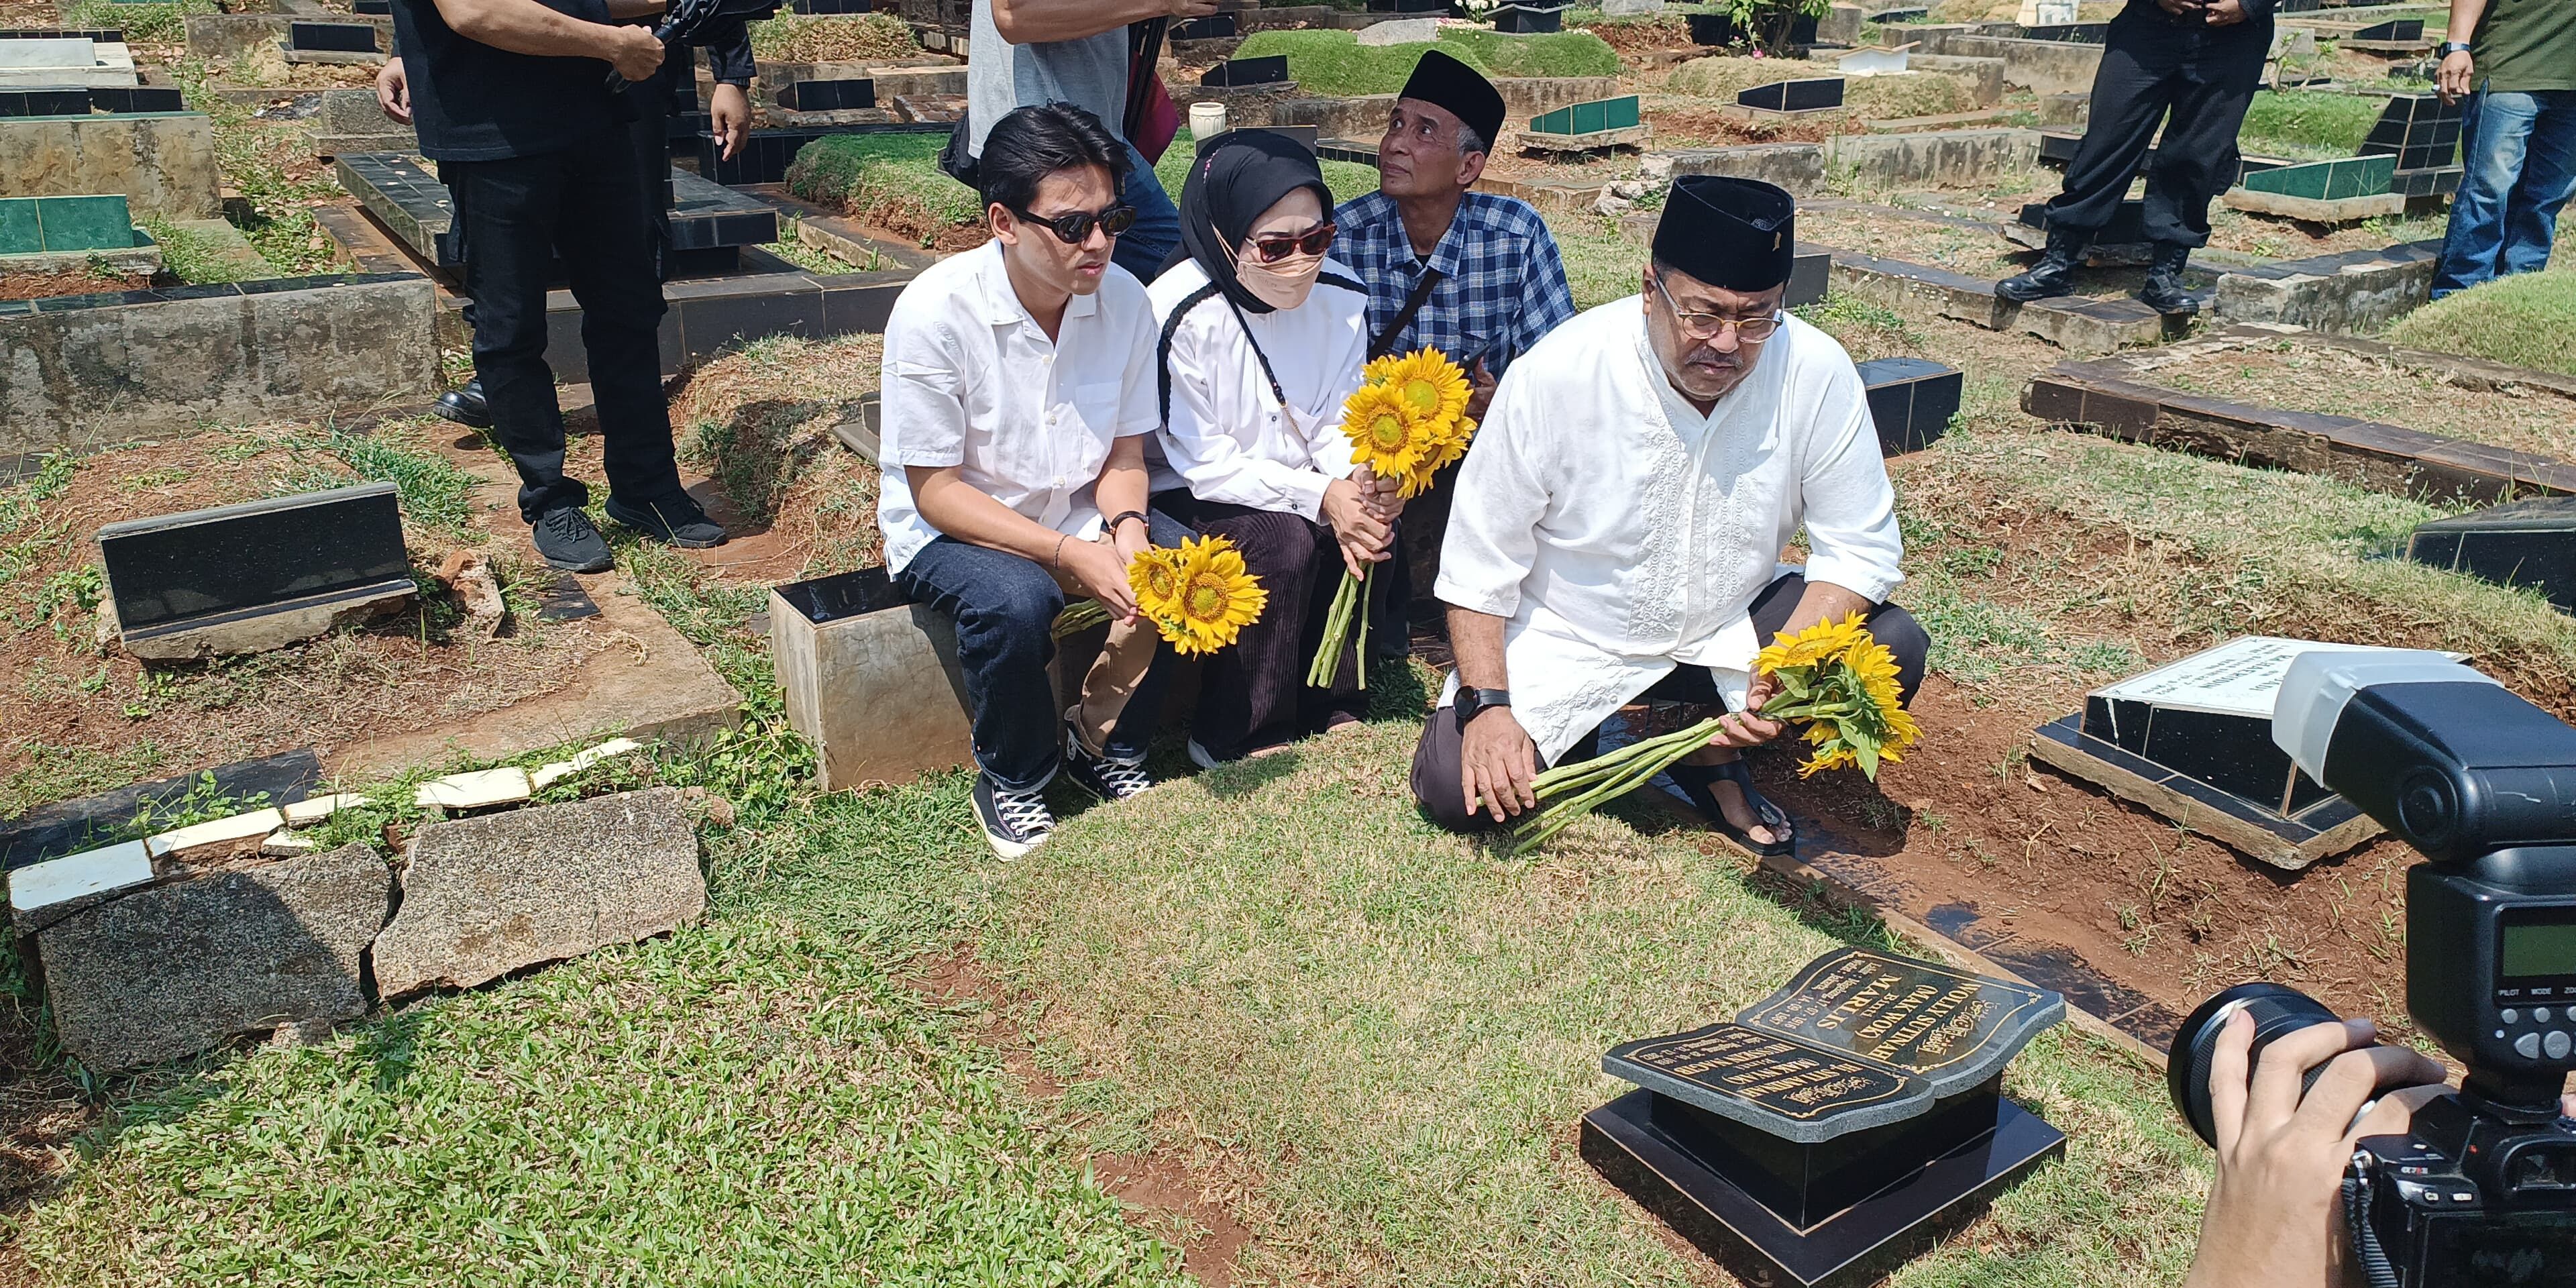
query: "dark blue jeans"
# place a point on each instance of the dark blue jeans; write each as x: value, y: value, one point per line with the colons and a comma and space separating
x: 1157, y: 232
x: 2519, y: 150
x: 1004, y: 608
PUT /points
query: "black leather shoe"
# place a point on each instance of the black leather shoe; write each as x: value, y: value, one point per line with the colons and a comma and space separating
x: 568, y: 540
x: 2164, y: 291
x: 674, y: 519
x: 2054, y: 274
x: 465, y: 406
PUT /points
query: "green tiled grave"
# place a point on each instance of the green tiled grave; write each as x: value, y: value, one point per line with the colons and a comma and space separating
x: 1589, y: 118
x: 2328, y: 180
x: 30, y: 225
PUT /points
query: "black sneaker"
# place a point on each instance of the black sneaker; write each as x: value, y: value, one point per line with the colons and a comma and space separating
x: 465, y: 406
x: 674, y: 519
x: 567, y: 539
x: 1014, y: 822
x: 1110, y: 780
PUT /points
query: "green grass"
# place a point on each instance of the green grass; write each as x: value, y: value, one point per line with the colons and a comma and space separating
x: 432, y: 489
x: 193, y: 257
x: 1346, y: 179
x: 156, y: 23
x: 882, y: 173
x: 2304, y: 124
x: 1334, y: 63
x: 796, y: 37
x: 2528, y: 320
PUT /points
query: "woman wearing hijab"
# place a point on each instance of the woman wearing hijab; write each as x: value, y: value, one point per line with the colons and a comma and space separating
x: 1263, y: 339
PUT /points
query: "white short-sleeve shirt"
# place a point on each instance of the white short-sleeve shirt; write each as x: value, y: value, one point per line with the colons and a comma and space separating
x: 971, y: 380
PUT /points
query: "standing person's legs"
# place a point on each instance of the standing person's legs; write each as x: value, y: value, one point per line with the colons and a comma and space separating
x: 2132, y: 89
x: 1004, y: 608
x: 2197, y: 158
x: 606, y: 243
x: 510, y: 210
x: 1249, y: 694
x: 1157, y: 231
x: 2548, y: 178
x: 650, y: 132
x: 2495, y: 131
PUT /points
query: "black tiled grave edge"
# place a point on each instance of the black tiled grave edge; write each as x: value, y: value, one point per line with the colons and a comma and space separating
x: 217, y: 290
x: 68, y: 827
x: 98, y: 35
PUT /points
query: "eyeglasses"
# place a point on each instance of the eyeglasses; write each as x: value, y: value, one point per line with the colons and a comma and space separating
x: 1075, y: 228
x: 1708, y: 326
x: 1278, y: 246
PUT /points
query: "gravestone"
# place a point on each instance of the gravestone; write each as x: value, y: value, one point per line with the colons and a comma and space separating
x: 1408, y: 6
x: 832, y: 6
x: 1238, y: 72
x: 2192, y: 740
x: 45, y: 101
x: 2327, y: 180
x: 1400, y: 31
x: 1594, y: 117
x: 2526, y: 543
x: 1911, y: 400
x: 828, y: 95
x: 1871, y: 61
x: 54, y: 62
x: 332, y: 37
x: 255, y: 576
x: 59, y: 225
x: 1305, y: 136
x: 1530, y: 19
x: 373, y: 8
x: 2123, y: 240
x: 2401, y: 29
x: 870, y: 679
x: 1812, y: 95
x: 2420, y: 130
x: 1215, y: 26
x: 1631, y: 8
x: 2045, y: 13
x: 1719, y: 29
x: 1835, y: 1129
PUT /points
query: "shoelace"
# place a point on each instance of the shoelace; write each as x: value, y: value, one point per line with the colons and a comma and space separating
x: 1122, y: 780
x: 1024, y: 812
x: 566, y: 523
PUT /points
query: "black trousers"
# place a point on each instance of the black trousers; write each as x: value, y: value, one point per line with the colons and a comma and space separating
x: 1440, y: 787
x: 587, y: 202
x: 2194, y: 81
x: 1254, y: 695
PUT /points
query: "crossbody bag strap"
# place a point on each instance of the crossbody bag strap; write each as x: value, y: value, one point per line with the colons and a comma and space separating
x: 1384, y: 341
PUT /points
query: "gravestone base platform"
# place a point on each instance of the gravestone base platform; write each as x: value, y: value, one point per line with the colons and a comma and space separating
x: 1635, y: 136
x: 143, y: 257
x: 2274, y: 838
x: 1679, y: 1169
x: 2317, y: 210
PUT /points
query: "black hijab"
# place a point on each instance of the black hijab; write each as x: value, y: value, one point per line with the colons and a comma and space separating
x: 1236, y: 176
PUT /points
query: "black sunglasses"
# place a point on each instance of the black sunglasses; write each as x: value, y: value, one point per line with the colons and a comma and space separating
x: 1075, y: 228
x: 1278, y: 246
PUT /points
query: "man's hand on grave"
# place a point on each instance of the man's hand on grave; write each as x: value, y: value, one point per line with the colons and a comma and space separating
x: 1098, y: 569
x: 2458, y: 70
x: 729, y: 118
x: 1480, y: 391
x: 1744, y: 728
x: 1496, y: 761
x: 2225, y: 13
x: 634, y: 52
x: 393, y: 91
x: 1361, y: 535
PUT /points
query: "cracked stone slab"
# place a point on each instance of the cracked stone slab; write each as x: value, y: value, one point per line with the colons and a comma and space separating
x: 489, y: 895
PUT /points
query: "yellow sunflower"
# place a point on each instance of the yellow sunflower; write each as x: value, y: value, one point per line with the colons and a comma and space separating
x: 1386, y: 438
x: 1821, y: 642
x: 1155, y: 575
x: 1432, y: 387
x: 1218, y: 597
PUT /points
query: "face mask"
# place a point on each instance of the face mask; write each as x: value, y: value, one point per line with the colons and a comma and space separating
x: 1282, y: 285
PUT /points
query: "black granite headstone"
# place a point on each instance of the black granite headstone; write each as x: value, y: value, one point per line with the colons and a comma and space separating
x: 1215, y: 26
x: 136, y: 98
x: 1408, y: 6
x: 332, y: 37
x: 2420, y: 130
x: 1835, y: 1128
x: 1810, y: 275
x: 2397, y: 29
x: 2074, y: 33
x: 829, y: 95
x: 2526, y: 543
x: 1794, y: 95
x: 1718, y: 29
x: 766, y: 155
x: 184, y: 571
x: 1272, y: 70
x: 832, y: 6
x: 45, y: 101
x: 372, y: 7
x: 95, y: 35
x: 1530, y: 19
x: 1912, y: 401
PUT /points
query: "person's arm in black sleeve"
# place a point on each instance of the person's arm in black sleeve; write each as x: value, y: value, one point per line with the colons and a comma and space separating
x: 728, y: 49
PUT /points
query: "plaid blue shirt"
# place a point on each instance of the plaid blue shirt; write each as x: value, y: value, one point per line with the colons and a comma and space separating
x: 1502, y: 284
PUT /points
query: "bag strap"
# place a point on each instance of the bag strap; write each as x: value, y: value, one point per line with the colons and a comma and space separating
x: 1384, y: 341
x: 1145, y: 55
x: 1163, y: 348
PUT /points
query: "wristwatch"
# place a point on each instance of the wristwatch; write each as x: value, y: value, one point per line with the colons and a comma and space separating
x: 2450, y: 47
x: 1472, y: 702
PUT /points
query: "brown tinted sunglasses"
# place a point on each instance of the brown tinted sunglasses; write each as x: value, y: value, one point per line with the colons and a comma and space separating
x: 1279, y: 246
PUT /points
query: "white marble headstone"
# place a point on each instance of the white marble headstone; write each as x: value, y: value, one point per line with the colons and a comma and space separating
x: 2241, y: 677
x: 1400, y: 31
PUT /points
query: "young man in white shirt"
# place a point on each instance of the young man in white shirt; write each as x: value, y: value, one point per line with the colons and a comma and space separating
x: 1620, y: 521
x: 1019, y: 388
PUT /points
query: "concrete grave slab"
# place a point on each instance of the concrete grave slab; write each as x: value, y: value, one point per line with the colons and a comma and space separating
x: 2352, y: 293
x: 489, y: 895
x: 173, y: 969
x: 163, y: 163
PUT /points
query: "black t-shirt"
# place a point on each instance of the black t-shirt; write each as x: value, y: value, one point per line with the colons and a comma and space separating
x: 472, y: 102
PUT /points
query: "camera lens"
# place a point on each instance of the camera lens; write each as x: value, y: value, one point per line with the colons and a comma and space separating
x: 2276, y: 1011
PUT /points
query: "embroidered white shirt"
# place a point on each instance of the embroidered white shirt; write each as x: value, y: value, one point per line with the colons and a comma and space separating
x: 971, y: 380
x: 1229, y: 439
x: 1619, y: 532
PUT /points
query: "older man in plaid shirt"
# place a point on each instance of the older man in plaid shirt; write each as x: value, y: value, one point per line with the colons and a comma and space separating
x: 1471, y: 274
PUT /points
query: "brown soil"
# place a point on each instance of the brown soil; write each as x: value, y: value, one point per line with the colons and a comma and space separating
x: 1186, y: 1202
x: 79, y: 281
x: 2318, y: 378
x: 1979, y: 251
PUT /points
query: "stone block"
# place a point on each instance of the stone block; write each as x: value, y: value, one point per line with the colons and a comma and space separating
x: 2040, y: 66
x: 1840, y: 25
x: 1911, y: 401
x: 1984, y: 77
x: 489, y: 895
x: 869, y: 679
x: 2065, y: 109
x: 163, y: 163
x: 257, y: 575
x: 173, y: 969
x: 1798, y: 167
x: 1937, y: 158
x: 1400, y: 31
x: 2355, y: 293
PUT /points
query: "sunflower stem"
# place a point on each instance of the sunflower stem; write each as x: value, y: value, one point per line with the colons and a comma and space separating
x: 1337, y: 632
x: 1572, y: 791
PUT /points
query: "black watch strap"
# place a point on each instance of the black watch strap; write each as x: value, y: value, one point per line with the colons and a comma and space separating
x: 1473, y: 702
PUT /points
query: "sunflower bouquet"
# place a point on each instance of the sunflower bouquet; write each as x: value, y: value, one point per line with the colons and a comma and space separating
x: 1198, y: 594
x: 1407, y: 421
x: 1834, y: 676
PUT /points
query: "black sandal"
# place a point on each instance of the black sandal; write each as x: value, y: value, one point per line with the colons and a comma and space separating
x: 1697, y: 780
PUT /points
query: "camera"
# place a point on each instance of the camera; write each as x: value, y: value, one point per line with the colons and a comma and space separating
x: 2482, y: 1189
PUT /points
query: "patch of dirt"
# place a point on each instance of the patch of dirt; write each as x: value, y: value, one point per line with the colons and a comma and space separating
x: 2317, y: 378
x: 1186, y: 1205
x: 78, y: 281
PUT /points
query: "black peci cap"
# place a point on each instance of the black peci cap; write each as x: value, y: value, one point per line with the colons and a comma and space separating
x: 1443, y: 81
x: 1735, y: 234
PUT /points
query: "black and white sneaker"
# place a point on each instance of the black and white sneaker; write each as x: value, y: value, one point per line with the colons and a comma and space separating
x: 1014, y: 822
x: 569, y: 541
x: 1110, y: 780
